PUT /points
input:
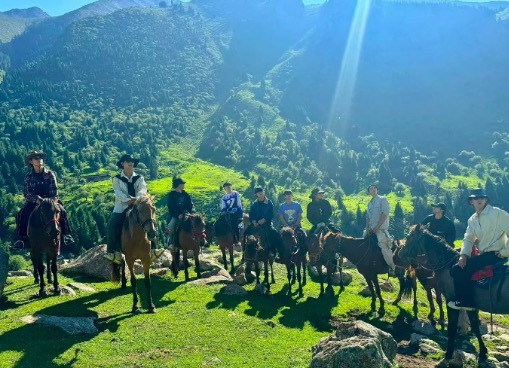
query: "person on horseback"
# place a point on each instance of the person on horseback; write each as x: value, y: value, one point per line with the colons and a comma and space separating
x: 39, y: 183
x: 319, y: 212
x: 290, y: 212
x: 179, y: 203
x: 128, y: 186
x: 489, y: 226
x: 439, y: 224
x: 377, y: 222
x: 261, y: 214
x: 232, y: 204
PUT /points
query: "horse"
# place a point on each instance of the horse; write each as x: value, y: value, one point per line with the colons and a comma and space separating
x: 321, y: 254
x: 44, y: 236
x: 225, y: 237
x: 367, y: 257
x: 295, y: 244
x: 255, y: 251
x: 190, y: 236
x: 138, y: 230
x: 433, y: 253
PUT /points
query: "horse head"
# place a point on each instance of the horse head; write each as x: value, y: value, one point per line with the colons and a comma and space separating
x: 145, y: 212
x: 288, y: 237
x: 251, y: 248
x: 195, y: 224
x: 49, y: 215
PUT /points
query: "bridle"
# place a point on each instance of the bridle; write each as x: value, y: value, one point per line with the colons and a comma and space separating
x: 144, y: 223
x: 422, y: 254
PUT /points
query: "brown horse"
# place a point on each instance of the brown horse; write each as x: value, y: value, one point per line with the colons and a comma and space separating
x: 366, y: 256
x: 295, y: 243
x: 325, y: 254
x: 190, y: 236
x: 225, y: 237
x: 256, y: 251
x: 139, y: 229
x: 44, y: 237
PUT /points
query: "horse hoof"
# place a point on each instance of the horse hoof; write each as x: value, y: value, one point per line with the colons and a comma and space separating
x: 43, y: 293
x: 58, y: 291
x: 36, y: 281
x: 381, y: 312
x: 152, y: 310
x: 396, y: 302
x: 136, y: 310
x: 301, y: 294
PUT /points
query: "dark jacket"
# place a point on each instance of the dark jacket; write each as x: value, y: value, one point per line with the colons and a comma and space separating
x: 42, y: 184
x: 259, y: 210
x: 443, y: 228
x: 319, y: 211
x: 179, y: 203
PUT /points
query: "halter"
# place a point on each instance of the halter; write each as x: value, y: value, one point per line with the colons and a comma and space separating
x: 149, y: 220
x: 421, y: 252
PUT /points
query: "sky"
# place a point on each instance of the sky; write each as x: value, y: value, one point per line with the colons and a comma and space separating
x: 59, y: 7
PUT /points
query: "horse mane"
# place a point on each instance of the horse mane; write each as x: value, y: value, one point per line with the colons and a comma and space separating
x: 187, y: 224
x: 144, y: 199
x: 435, y: 240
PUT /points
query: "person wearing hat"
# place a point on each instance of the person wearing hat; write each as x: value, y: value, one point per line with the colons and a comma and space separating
x: 179, y: 203
x: 439, y: 224
x: 232, y: 204
x: 488, y: 226
x: 290, y: 212
x: 38, y: 184
x: 128, y: 186
x: 377, y: 222
x: 261, y: 214
x: 319, y: 211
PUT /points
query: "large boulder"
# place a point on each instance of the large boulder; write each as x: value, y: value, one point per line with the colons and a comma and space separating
x: 91, y: 263
x: 70, y: 325
x: 4, y: 270
x: 355, y: 345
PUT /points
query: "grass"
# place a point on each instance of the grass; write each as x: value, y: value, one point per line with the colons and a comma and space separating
x: 194, y: 326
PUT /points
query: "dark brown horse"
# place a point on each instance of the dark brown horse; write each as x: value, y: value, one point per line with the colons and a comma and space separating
x: 225, y: 237
x: 139, y: 229
x: 367, y: 257
x: 431, y: 252
x: 325, y: 254
x: 295, y: 244
x: 190, y: 236
x: 44, y: 235
x: 256, y: 251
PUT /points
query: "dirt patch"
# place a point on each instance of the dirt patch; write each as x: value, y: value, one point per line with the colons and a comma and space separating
x: 412, y: 361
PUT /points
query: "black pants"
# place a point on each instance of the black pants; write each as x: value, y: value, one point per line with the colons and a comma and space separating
x: 463, y: 286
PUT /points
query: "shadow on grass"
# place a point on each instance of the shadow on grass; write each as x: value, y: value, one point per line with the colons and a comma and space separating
x: 40, y: 345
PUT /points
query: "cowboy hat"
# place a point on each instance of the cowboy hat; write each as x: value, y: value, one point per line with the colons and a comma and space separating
x: 477, y: 193
x: 34, y: 154
x: 127, y: 158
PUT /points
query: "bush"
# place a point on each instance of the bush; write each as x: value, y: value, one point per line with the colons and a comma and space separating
x: 17, y: 263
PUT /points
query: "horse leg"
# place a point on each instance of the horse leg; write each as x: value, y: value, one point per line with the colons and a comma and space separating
x: 231, y: 259
x: 36, y: 271
x: 197, y: 263
x: 330, y: 271
x: 473, y: 316
x: 381, y: 310
x: 341, y: 284
x: 294, y: 272
x: 54, y: 271
x: 414, y: 289
x: 431, y: 315
x: 452, y: 330
x: 124, y: 278
x: 223, y: 252
x: 257, y: 272
x: 266, y: 273
x: 400, y: 293
x: 289, y: 276
x: 48, y: 269
x: 186, y: 264
x: 175, y: 260
x: 134, y: 282
x: 148, y: 285
x: 304, y: 267
x: 40, y: 271
x: 441, y: 320
x: 271, y: 263
x: 299, y: 278
x: 320, y: 276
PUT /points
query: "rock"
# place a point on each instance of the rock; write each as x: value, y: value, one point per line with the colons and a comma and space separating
x: 365, y: 291
x: 213, y: 361
x: 387, y: 286
x: 242, y: 278
x: 217, y: 271
x: 463, y: 324
x: 347, y: 264
x: 355, y: 344
x: 66, y: 290
x: 138, y: 267
x: 159, y: 272
x: 4, y: 270
x: 502, y: 348
x: 427, y: 347
x: 81, y: 287
x: 70, y: 325
x: 91, y: 263
x: 501, y: 356
x: 415, y: 339
x: 423, y: 328
x: 234, y: 290
x: 164, y: 260
x: 314, y: 272
x: 347, y: 278
x: 209, y: 265
x: 460, y: 358
x: 20, y: 273
x: 219, y: 278
x: 504, y: 337
x: 262, y: 289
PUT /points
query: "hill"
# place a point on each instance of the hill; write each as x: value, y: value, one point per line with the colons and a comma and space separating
x: 29, y: 13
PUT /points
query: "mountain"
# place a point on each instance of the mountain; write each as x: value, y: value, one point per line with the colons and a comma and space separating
x: 29, y: 13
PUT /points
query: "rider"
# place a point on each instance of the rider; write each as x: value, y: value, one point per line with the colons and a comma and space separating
x: 128, y: 186
x: 232, y: 204
x: 290, y: 212
x: 319, y: 212
x: 377, y: 221
x: 179, y: 203
x: 440, y: 224
x: 261, y: 214
x: 39, y: 183
x: 489, y: 226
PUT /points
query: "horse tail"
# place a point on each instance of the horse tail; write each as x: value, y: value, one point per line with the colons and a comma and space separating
x: 115, y: 273
x: 408, y: 282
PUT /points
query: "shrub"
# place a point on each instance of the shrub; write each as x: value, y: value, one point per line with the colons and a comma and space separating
x: 17, y: 263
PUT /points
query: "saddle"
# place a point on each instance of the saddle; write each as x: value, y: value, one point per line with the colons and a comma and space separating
x: 484, y: 276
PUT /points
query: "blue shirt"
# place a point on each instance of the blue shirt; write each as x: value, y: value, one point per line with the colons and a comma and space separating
x: 232, y: 203
x: 290, y: 212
